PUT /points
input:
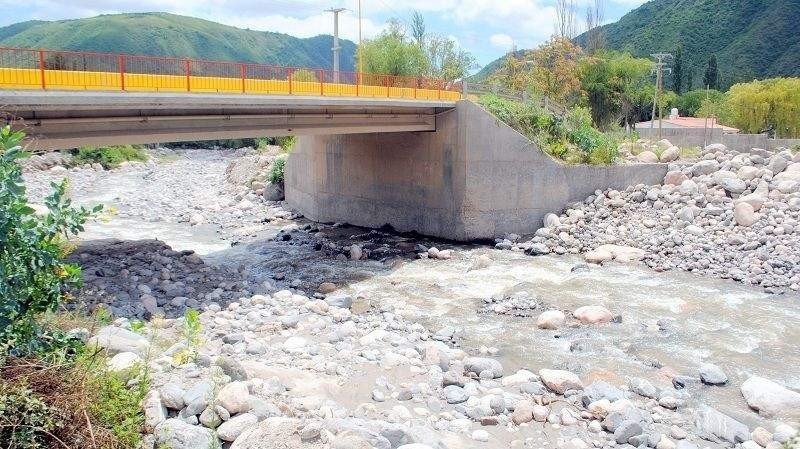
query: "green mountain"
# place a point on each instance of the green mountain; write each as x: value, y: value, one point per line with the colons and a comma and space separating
x: 162, y: 34
x: 750, y: 38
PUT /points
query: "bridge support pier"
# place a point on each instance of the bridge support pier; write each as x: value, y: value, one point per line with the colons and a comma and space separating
x: 473, y: 178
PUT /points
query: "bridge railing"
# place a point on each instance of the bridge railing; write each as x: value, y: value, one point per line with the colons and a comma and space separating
x: 70, y: 70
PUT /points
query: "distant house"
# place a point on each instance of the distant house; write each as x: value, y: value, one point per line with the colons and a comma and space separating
x: 676, y: 121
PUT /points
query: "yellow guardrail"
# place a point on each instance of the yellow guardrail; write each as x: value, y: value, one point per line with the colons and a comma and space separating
x: 43, y: 69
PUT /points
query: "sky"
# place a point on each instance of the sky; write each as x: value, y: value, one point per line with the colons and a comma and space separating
x: 486, y: 28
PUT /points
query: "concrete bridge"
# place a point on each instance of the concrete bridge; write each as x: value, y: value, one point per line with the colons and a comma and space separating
x: 441, y: 168
x: 374, y: 149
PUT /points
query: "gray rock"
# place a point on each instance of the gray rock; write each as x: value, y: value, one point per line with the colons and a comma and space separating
x: 232, y: 368
x: 626, y: 430
x: 154, y: 411
x: 232, y: 428
x: 196, y: 398
x: 770, y: 398
x: 643, y: 387
x: 274, y: 192
x: 176, y: 434
x: 477, y: 365
x: 601, y: 390
x: 714, y: 424
x: 455, y: 395
x: 340, y: 300
x: 210, y: 418
x: 712, y: 374
x: 272, y: 433
x: 116, y: 339
x: 172, y: 396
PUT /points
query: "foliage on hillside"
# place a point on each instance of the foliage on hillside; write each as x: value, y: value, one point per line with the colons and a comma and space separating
x: 571, y: 138
x: 750, y: 38
x: 162, y: 34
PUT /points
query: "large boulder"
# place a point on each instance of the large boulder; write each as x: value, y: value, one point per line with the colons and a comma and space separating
x: 560, y: 381
x: 770, y: 398
x: 116, y: 339
x: 176, y: 434
x: 274, y: 191
x: 234, y: 397
x: 744, y: 214
x: 232, y: 428
x: 671, y: 154
x: 550, y: 319
x: 593, y: 315
x: 713, y: 424
x: 477, y: 365
x: 647, y: 157
x: 274, y: 433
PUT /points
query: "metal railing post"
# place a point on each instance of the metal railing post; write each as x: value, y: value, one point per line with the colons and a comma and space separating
x: 358, y: 82
x: 121, y: 63
x: 188, y: 72
x: 322, y: 83
x: 41, y: 68
x: 243, y: 69
x: 289, y: 72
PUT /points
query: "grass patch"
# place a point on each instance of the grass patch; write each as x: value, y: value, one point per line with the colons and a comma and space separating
x: 71, y: 404
x: 570, y: 138
x: 109, y: 157
x: 690, y: 152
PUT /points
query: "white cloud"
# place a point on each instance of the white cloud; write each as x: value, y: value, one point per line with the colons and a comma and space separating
x: 502, y: 41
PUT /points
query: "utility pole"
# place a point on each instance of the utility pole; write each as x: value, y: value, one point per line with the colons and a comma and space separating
x: 336, y: 48
x: 659, y: 69
x: 360, y: 56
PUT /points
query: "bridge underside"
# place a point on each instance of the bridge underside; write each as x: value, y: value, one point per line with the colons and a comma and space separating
x: 60, y: 120
x: 474, y: 178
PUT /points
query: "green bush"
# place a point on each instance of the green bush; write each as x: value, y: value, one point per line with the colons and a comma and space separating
x: 33, y: 275
x: 109, y: 157
x: 571, y: 138
x: 276, y: 172
x: 25, y: 420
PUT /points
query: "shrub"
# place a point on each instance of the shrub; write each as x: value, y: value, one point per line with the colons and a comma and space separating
x: 276, y: 172
x: 109, y: 157
x: 571, y: 138
x: 33, y: 275
x: 25, y: 420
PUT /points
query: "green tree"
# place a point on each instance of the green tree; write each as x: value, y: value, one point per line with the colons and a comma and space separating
x: 711, y: 78
x: 616, y: 87
x: 424, y: 54
x: 690, y: 102
x: 391, y: 53
x: 771, y: 106
x: 677, y: 70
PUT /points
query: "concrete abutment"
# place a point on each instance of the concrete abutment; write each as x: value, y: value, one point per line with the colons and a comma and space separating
x: 473, y: 178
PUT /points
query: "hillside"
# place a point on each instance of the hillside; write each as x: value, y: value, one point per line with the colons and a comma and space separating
x: 753, y: 39
x: 162, y: 34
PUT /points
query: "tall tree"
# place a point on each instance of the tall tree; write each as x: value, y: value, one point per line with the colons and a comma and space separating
x: 565, y: 18
x: 392, y: 54
x: 595, y: 14
x: 677, y: 70
x: 711, y: 78
x: 418, y: 28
